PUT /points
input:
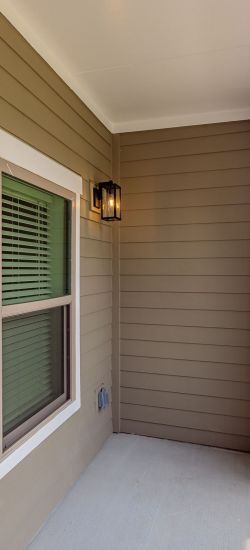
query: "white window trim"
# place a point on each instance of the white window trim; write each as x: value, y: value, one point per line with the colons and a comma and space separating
x: 23, y: 155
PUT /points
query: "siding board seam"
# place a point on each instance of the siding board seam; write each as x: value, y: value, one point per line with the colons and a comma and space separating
x: 86, y: 315
x: 142, y: 258
x: 184, y: 326
x: 160, y: 192
x: 92, y: 294
x: 137, y: 176
x: 182, y: 242
x: 200, y: 412
x: 188, y: 206
x: 176, y: 359
x: 184, y: 342
x: 86, y: 257
x: 123, y: 145
x: 166, y: 157
x: 210, y: 379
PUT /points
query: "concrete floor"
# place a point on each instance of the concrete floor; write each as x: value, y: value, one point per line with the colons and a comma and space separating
x: 148, y: 494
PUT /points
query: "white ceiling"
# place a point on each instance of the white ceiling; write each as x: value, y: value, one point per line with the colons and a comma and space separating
x: 142, y: 64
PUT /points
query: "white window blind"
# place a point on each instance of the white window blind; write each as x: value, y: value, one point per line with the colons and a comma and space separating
x: 34, y: 262
x: 26, y: 251
x: 30, y: 379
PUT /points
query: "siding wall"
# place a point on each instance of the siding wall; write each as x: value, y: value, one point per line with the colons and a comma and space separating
x: 36, y: 106
x: 185, y: 266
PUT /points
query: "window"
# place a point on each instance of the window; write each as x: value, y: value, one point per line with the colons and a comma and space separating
x: 39, y: 377
x: 36, y: 248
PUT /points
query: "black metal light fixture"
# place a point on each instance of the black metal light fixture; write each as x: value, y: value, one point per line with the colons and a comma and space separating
x: 107, y: 199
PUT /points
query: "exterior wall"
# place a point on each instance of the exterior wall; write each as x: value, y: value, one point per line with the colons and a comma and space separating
x: 185, y: 285
x: 185, y: 266
x: 38, y: 107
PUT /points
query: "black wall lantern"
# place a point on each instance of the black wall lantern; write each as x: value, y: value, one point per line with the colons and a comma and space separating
x: 107, y: 199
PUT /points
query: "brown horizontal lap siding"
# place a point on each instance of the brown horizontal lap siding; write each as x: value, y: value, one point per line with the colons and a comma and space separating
x: 39, y: 108
x: 45, y: 113
x: 191, y: 180
x: 191, y: 301
x: 16, y: 42
x: 187, y: 163
x: 186, y: 132
x: 185, y: 288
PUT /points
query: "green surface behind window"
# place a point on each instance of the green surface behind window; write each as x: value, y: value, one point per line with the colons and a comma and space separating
x: 35, y: 243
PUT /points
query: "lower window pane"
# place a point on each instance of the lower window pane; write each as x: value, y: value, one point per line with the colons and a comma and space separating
x: 34, y: 365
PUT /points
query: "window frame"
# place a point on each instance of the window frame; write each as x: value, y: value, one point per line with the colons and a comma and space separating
x: 51, y: 417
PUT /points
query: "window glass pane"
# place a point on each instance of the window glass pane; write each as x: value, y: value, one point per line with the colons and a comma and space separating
x: 34, y: 364
x: 35, y: 243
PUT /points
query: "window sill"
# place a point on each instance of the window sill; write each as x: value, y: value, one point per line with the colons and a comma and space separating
x: 35, y: 437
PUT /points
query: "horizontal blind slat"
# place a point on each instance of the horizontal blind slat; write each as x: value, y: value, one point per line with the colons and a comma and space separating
x: 24, y: 248
x: 10, y: 287
x: 14, y: 361
x: 11, y: 415
x: 41, y: 361
x: 27, y: 324
x: 20, y: 232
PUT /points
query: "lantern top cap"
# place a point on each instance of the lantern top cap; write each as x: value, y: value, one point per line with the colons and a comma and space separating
x: 109, y: 184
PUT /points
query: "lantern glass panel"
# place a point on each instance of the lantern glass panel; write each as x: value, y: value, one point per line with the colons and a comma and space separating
x: 118, y: 203
x: 108, y: 202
